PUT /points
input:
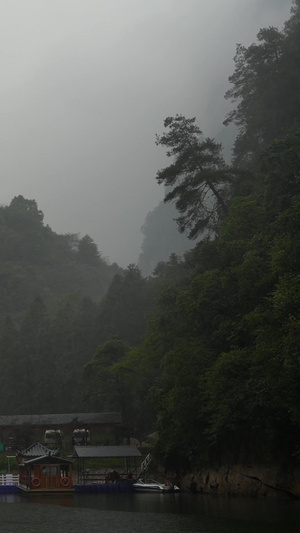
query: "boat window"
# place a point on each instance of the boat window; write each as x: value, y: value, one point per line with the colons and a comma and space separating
x: 64, y: 471
x: 50, y: 470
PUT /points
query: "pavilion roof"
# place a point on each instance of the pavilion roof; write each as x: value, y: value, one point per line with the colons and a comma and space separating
x: 101, y: 452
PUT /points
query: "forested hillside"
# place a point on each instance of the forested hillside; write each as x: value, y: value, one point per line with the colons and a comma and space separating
x: 59, y: 300
x: 206, y: 349
x: 218, y: 372
x: 36, y: 261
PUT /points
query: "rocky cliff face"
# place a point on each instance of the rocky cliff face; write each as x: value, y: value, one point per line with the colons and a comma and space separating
x: 245, y: 480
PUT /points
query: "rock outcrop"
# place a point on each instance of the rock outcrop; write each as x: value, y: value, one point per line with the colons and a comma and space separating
x: 245, y: 480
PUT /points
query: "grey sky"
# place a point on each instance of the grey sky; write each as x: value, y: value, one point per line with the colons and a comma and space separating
x: 85, y: 86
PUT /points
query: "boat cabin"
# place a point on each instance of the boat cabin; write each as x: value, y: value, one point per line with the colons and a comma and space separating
x: 47, y: 473
x: 41, y: 469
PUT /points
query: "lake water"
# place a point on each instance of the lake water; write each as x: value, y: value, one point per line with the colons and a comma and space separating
x: 146, y: 513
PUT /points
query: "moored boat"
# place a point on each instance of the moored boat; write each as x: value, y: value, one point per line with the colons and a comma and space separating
x: 154, y: 486
x: 42, y: 470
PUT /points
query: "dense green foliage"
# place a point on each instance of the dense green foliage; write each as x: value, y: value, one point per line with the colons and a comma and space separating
x: 205, y: 351
x: 43, y: 358
x: 266, y: 87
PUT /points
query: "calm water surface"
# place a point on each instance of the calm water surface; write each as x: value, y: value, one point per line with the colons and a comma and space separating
x: 146, y: 513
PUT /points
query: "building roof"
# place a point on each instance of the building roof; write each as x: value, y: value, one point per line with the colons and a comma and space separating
x: 55, y: 420
x: 47, y: 459
x: 37, y: 450
x: 91, y: 452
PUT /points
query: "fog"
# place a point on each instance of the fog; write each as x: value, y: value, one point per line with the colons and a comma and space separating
x: 86, y: 84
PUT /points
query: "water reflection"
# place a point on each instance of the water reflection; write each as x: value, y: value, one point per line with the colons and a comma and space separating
x: 130, y: 513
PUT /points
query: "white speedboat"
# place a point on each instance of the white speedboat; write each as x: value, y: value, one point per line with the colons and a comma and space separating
x: 154, y: 486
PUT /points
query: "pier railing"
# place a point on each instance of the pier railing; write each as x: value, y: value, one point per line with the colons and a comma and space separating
x: 85, y: 478
x: 9, y: 479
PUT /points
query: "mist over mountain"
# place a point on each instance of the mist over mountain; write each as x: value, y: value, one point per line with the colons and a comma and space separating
x: 161, y: 238
x: 87, y: 85
x: 160, y: 232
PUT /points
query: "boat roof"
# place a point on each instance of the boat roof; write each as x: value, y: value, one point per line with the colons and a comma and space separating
x: 47, y: 459
x: 37, y: 450
x: 106, y: 451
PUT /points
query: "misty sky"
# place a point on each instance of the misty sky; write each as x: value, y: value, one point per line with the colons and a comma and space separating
x: 85, y: 86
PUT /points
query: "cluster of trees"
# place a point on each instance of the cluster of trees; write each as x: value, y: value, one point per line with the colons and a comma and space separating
x: 43, y: 354
x: 206, y: 349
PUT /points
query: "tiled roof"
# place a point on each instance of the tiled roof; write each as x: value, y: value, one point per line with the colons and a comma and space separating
x: 47, y: 459
x: 36, y: 450
x: 55, y: 420
x: 106, y: 451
